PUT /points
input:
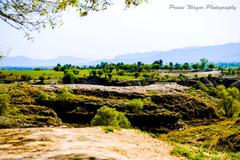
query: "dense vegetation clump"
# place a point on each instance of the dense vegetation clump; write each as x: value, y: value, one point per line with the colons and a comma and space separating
x: 106, y: 116
x: 4, y: 102
x: 136, y: 105
x: 230, y: 100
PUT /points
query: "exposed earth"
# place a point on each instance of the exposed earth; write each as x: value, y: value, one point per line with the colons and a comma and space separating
x: 81, y: 143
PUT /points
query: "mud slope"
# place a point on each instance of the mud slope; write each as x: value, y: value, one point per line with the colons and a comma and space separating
x: 80, y: 143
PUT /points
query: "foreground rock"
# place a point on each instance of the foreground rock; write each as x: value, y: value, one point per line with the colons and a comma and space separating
x: 80, y: 143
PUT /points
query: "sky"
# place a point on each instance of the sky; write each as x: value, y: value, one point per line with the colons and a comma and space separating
x: 151, y: 26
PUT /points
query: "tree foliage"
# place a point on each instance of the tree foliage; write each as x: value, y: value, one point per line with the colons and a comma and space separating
x: 230, y: 100
x: 106, y: 116
x: 32, y: 15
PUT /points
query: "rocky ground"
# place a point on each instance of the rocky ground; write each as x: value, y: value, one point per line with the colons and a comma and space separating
x: 156, y: 88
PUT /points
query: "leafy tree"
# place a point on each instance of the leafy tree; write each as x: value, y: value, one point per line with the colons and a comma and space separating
x: 211, y: 66
x: 106, y: 116
x: 160, y: 62
x: 155, y: 66
x: 204, y: 62
x: 139, y: 64
x: 58, y: 67
x: 186, y: 66
x: 34, y: 15
x: 230, y: 100
x: 196, y: 66
x: 177, y: 66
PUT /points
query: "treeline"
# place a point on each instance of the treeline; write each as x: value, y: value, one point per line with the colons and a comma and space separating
x: 140, y: 67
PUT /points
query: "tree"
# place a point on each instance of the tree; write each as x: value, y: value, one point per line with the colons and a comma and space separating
x: 34, y: 15
x: 177, y: 66
x: 196, y: 66
x: 204, y: 62
x: 230, y: 100
x: 160, y: 62
x: 58, y: 67
x: 186, y: 66
x: 211, y: 66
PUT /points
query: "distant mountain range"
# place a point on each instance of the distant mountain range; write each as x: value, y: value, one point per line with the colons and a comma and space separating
x: 218, y: 53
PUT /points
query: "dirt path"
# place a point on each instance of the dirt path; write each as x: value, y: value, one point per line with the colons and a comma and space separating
x: 81, y: 143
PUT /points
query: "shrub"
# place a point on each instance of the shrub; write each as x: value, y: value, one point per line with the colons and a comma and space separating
x: 93, y: 73
x: 42, y: 79
x: 136, y: 74
x: 64, y: 94
x: 76, y: 72
x: 121, y: 73
x: 136, y: 105
x: 100, y: 73
x: 69, y: 77
x: 26, y: 77
x: 106, y: 116
x: 109, y: 75
x: 43, y: 97
x: 4, y: 102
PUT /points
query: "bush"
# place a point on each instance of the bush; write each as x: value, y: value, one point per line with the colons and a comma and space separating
x: 106, y: 116
x: 4, y: 102
x: 136, y: 105
x: 136, y: 74
x: 26, y: 77
x: 121, y: 73
x: 42, y: 79
x: 43, y: 97
x: 69, y: 77
x: 64, y: 94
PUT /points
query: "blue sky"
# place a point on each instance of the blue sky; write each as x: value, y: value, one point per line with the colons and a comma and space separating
x: 151, y: 26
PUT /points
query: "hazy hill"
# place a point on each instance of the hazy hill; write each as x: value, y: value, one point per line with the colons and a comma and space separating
x: 21, y: 61
x: 218, y: 53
